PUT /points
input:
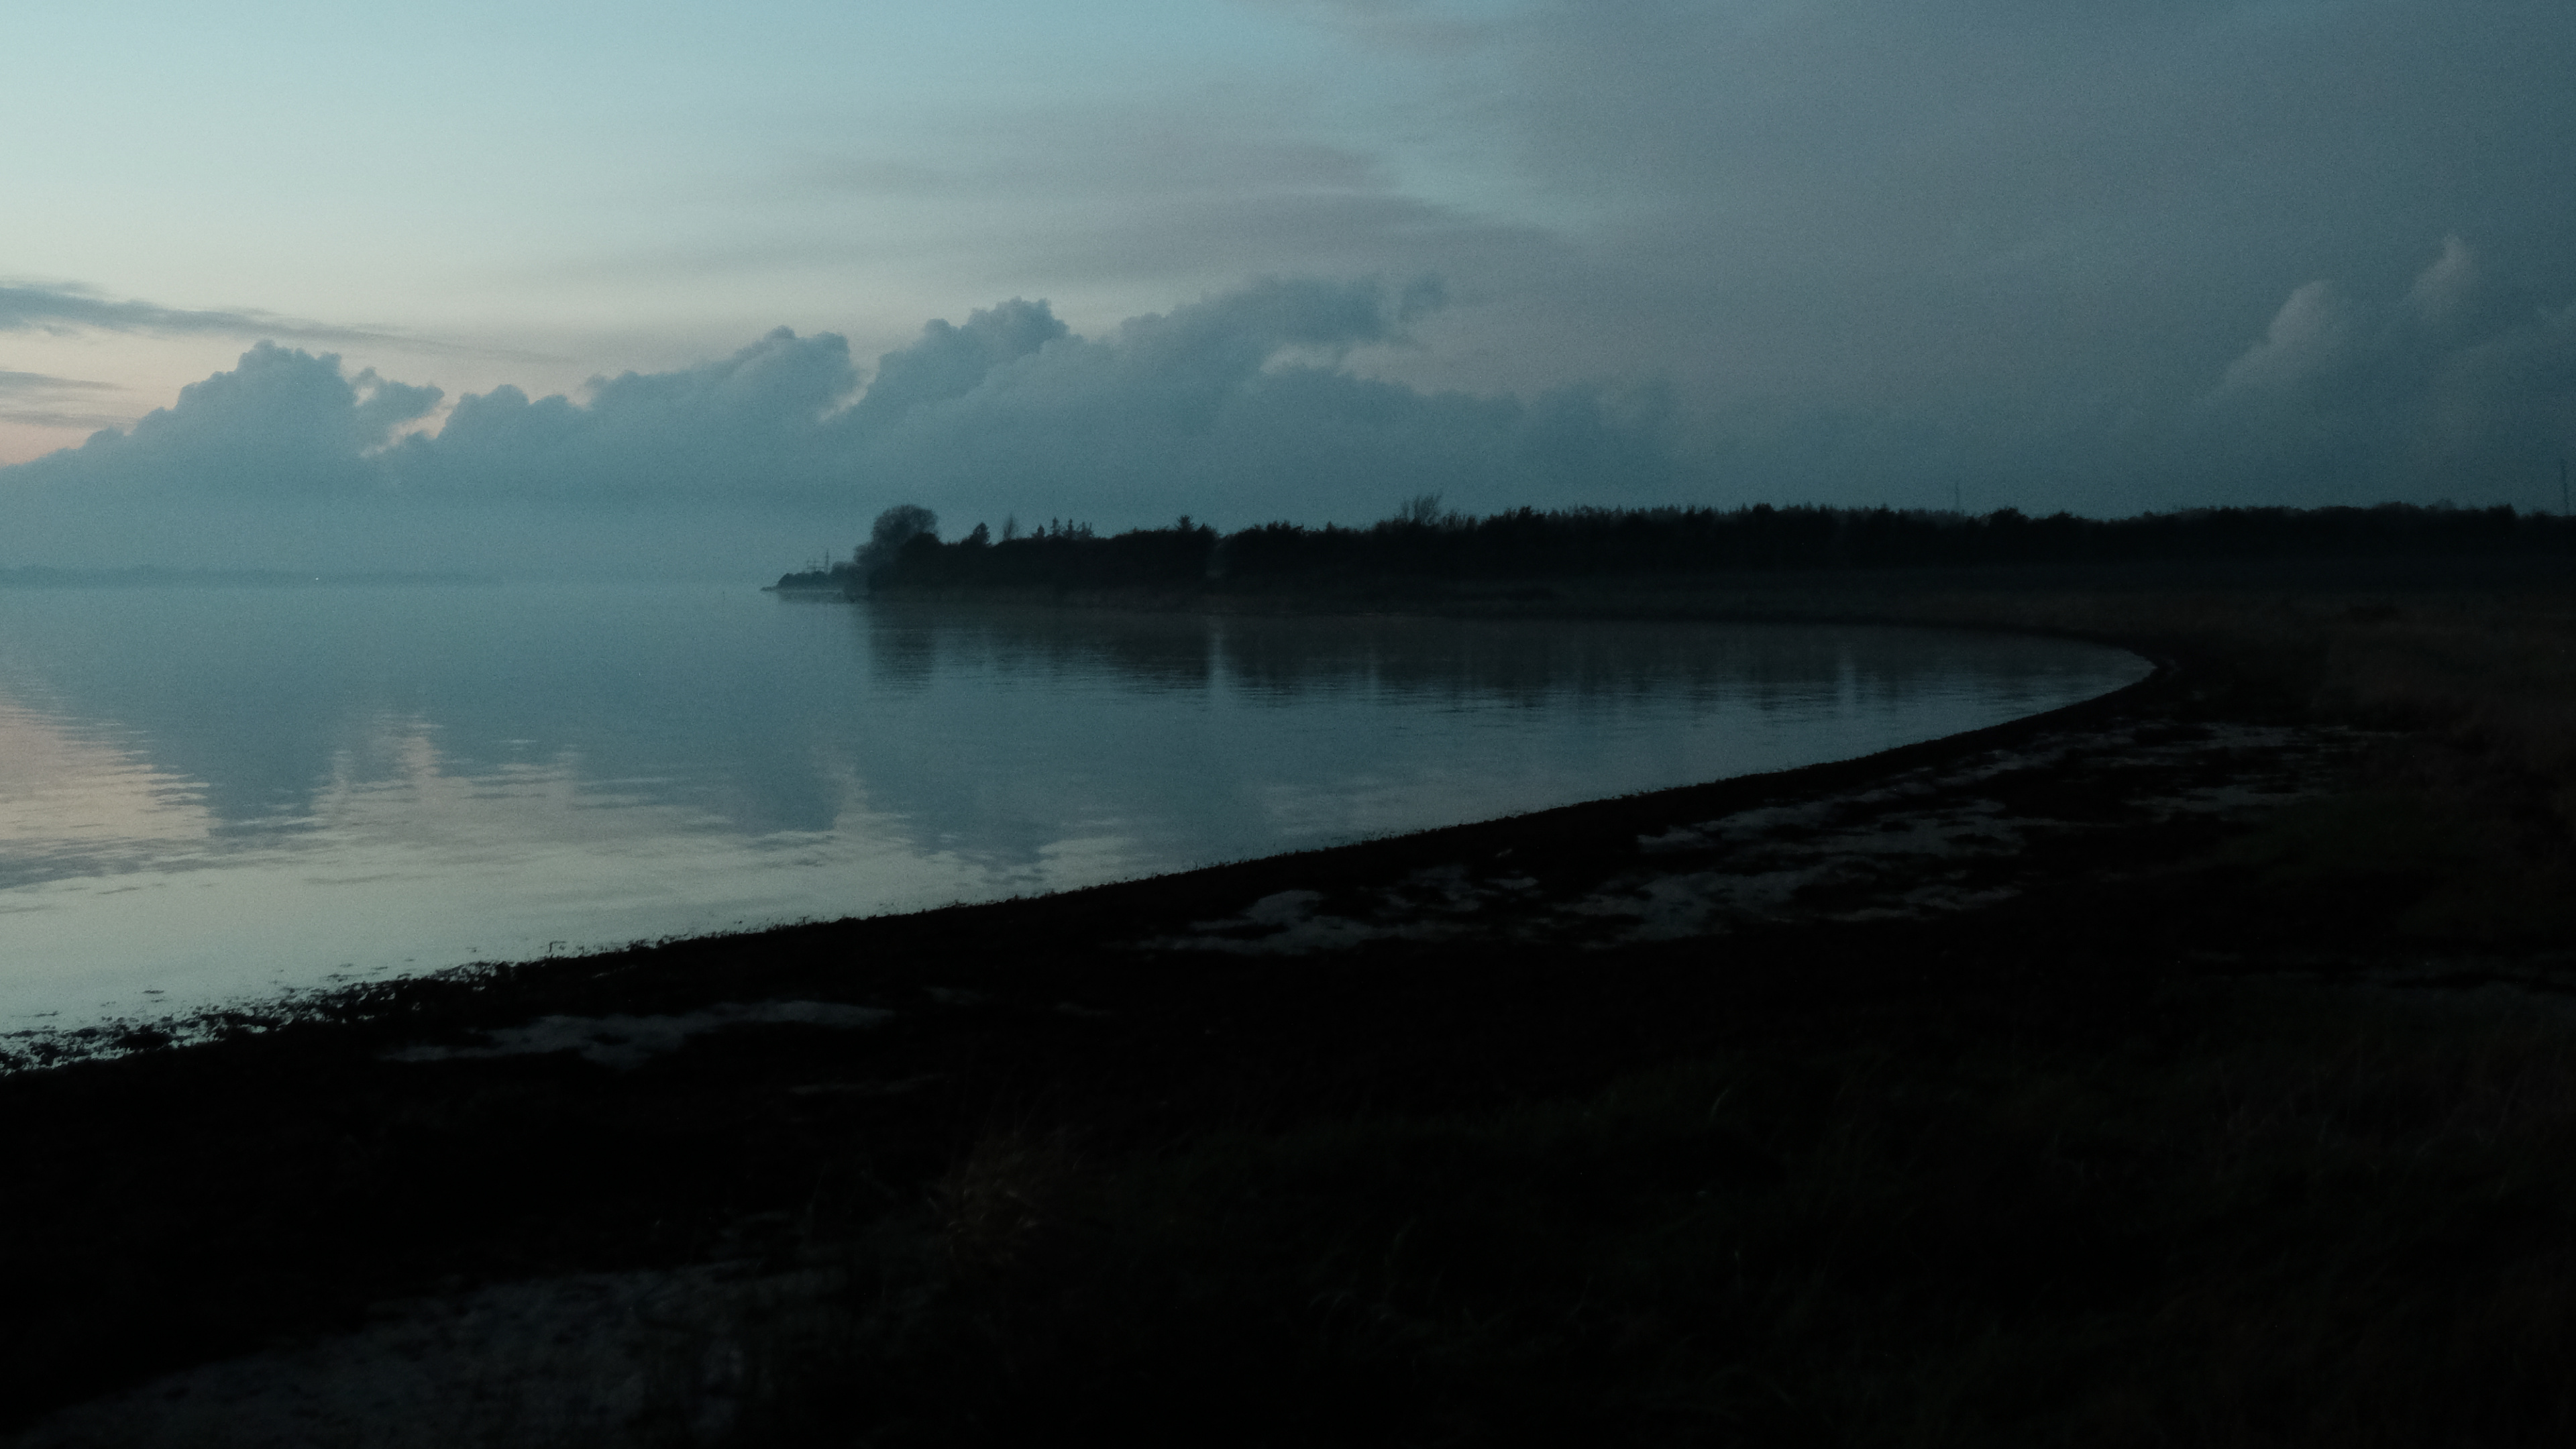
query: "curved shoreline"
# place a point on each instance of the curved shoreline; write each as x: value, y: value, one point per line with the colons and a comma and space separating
x: 290, y: 1002
x: 2070, y: 862
x: 612, y: 981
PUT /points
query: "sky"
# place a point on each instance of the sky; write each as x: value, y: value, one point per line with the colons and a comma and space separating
x: 695, y: 287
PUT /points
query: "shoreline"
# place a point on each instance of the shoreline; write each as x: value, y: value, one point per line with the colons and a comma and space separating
x: 107, y: 1037
x: 2079, y: 866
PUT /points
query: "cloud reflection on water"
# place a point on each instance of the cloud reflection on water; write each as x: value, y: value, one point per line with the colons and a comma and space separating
x: 216, y: 791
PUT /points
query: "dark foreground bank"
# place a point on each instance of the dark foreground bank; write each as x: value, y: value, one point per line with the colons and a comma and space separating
x: 2187, y: 1066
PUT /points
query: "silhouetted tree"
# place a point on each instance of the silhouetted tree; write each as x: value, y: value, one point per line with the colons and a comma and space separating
x: 894, y: 528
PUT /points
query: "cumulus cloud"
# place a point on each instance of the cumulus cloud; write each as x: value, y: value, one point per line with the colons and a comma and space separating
x: 2310, y: 337
x: 2447, y: 293
x: 745, y: 429
x: 2454, y: 387
x: 282, y: 422
x: 1242, y: 407
x: 1237, y: 408
x: 949, y: 361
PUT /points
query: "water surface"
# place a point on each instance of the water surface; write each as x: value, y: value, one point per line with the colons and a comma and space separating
x: 208, y: 793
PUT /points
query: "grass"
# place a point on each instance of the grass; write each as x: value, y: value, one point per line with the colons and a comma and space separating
x: 2246, y: 1217
x: 2479, y: 787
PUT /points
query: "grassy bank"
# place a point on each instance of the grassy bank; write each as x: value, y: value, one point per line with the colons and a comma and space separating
x: 2247, y: 1132
x: 2477, y: 789
x: 2235, y: 1217
x: 2070, y: 1194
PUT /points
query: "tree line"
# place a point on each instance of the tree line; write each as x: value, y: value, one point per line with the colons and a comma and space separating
x: 1423, y: 543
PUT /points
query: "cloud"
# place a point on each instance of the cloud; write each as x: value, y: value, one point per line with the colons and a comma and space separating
x: 61, y: 309
x: 53, y: 402
x: 1956, y: 208
x: 1237, y: 408
x: 2447, y: 293
x: 2309, y: 337
x: 26, y: 307
x: 2453, y: 387
x: 41, y: 382
x: 2455, y: 382
x: 1245, y: 406
x: 949, y: 362
x: 1139, y: 197
x: 283, y: 422
x: 746, y: 430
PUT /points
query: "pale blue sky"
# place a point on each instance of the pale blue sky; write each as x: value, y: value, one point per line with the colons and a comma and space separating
x: 1840, y: 250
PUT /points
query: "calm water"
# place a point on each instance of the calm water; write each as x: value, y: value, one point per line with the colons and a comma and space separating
x: 207, y: 793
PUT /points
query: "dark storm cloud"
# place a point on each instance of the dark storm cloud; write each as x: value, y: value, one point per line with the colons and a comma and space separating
x: 2453, y: 384
x: 2025, y: 238
x: 1974, y: 131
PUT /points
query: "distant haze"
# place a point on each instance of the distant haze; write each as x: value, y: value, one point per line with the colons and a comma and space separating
x: 597, y: 290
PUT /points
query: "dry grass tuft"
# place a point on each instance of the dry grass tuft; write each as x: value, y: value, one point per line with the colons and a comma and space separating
x: 1004, y: 1200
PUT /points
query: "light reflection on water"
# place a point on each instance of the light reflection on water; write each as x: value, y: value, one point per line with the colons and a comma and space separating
x: 207, y: 793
